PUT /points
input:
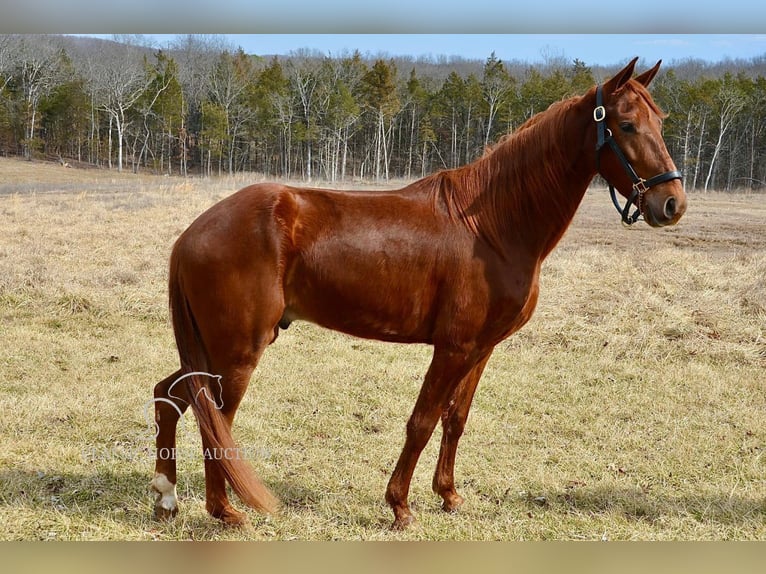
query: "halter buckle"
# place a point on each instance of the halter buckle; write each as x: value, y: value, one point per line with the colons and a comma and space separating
x: 640, y: 187
x: 599, y: 113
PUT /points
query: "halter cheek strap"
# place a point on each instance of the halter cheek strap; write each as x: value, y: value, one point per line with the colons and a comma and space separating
x: 640, y: 185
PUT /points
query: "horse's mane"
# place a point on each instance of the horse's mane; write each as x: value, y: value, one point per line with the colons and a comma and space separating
x: 512, y: 180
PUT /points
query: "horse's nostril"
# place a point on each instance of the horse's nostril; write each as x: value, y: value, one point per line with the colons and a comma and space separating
x: 670, y: 207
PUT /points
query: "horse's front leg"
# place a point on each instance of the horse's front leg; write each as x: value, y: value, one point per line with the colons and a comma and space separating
x: 453, y: 423
x: 448, y: 367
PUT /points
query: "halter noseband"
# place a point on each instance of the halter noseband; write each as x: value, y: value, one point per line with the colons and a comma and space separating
x: 640, y: 185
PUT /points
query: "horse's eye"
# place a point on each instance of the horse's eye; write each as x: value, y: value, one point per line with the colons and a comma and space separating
x: 628, y: 127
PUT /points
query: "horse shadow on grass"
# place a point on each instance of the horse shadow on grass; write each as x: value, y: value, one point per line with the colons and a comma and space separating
x: 75, y: 499
x: 636, y: 504
x: 124, y: 499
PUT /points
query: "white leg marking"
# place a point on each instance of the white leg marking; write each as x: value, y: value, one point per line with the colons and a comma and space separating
x: 167, y: 490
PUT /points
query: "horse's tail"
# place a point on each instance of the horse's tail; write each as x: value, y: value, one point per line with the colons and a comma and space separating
x: 213, y: 425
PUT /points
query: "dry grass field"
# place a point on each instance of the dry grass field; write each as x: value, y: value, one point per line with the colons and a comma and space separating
x: 632, y: 406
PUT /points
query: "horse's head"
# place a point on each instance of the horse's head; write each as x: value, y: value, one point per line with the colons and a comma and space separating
x: 630, y: 152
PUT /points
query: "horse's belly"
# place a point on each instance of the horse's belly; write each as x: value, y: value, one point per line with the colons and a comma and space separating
x: 363, y: 299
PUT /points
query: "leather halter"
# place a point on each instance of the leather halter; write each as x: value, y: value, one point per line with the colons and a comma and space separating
x: 640, y: 185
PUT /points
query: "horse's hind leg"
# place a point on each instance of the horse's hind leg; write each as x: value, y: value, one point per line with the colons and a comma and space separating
x: 170, y: 402
x: 235, y: 337
x: 453, y: 423
x: 235, y: 381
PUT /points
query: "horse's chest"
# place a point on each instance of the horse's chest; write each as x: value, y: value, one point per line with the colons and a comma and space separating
x: 513, y: 305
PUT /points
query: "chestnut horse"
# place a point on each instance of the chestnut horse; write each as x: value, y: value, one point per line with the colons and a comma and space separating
x: 452, y: 260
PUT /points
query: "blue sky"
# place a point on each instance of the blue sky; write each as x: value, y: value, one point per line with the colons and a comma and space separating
x: 605, y: 32
x: 593, y: 49
x: 382, y: 16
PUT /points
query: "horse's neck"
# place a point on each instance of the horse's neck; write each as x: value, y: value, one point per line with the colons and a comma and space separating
x: 546, y: 187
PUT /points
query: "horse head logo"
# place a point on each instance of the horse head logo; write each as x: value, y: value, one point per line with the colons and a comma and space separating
x: 154, y: 428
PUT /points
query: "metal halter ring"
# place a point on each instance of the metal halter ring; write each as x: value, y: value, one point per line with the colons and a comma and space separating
x: 599, y: 113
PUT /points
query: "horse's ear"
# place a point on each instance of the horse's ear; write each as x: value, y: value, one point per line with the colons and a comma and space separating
x: 620, y: 78
x: 646, y: 78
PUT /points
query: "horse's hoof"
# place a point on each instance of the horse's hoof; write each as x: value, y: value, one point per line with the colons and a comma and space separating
x: 403, y: 522
x: 452, y: 503
x: 164, y: 514
x: 230, y: 517
x: 234, y: 518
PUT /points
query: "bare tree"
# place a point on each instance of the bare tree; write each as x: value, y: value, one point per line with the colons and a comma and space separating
x: 38, y: 70
x: 339, y: 111
x: 164, y: 76
x: 757, y: 128
x: 730, y: 102
x: 303, y: 72
x: 229, y: 82
x: 284, y: 108
x: 8, y: 58
x: 197, y: 55
x: 118, y: 77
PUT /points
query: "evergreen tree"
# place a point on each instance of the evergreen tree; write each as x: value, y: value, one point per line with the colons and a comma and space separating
x: 496, y: 85
x: 382, y: 100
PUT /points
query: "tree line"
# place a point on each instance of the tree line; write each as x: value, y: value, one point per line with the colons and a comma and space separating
x: 201, y: 106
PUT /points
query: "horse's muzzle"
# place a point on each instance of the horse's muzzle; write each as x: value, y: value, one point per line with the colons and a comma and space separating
x: 665, y: 204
